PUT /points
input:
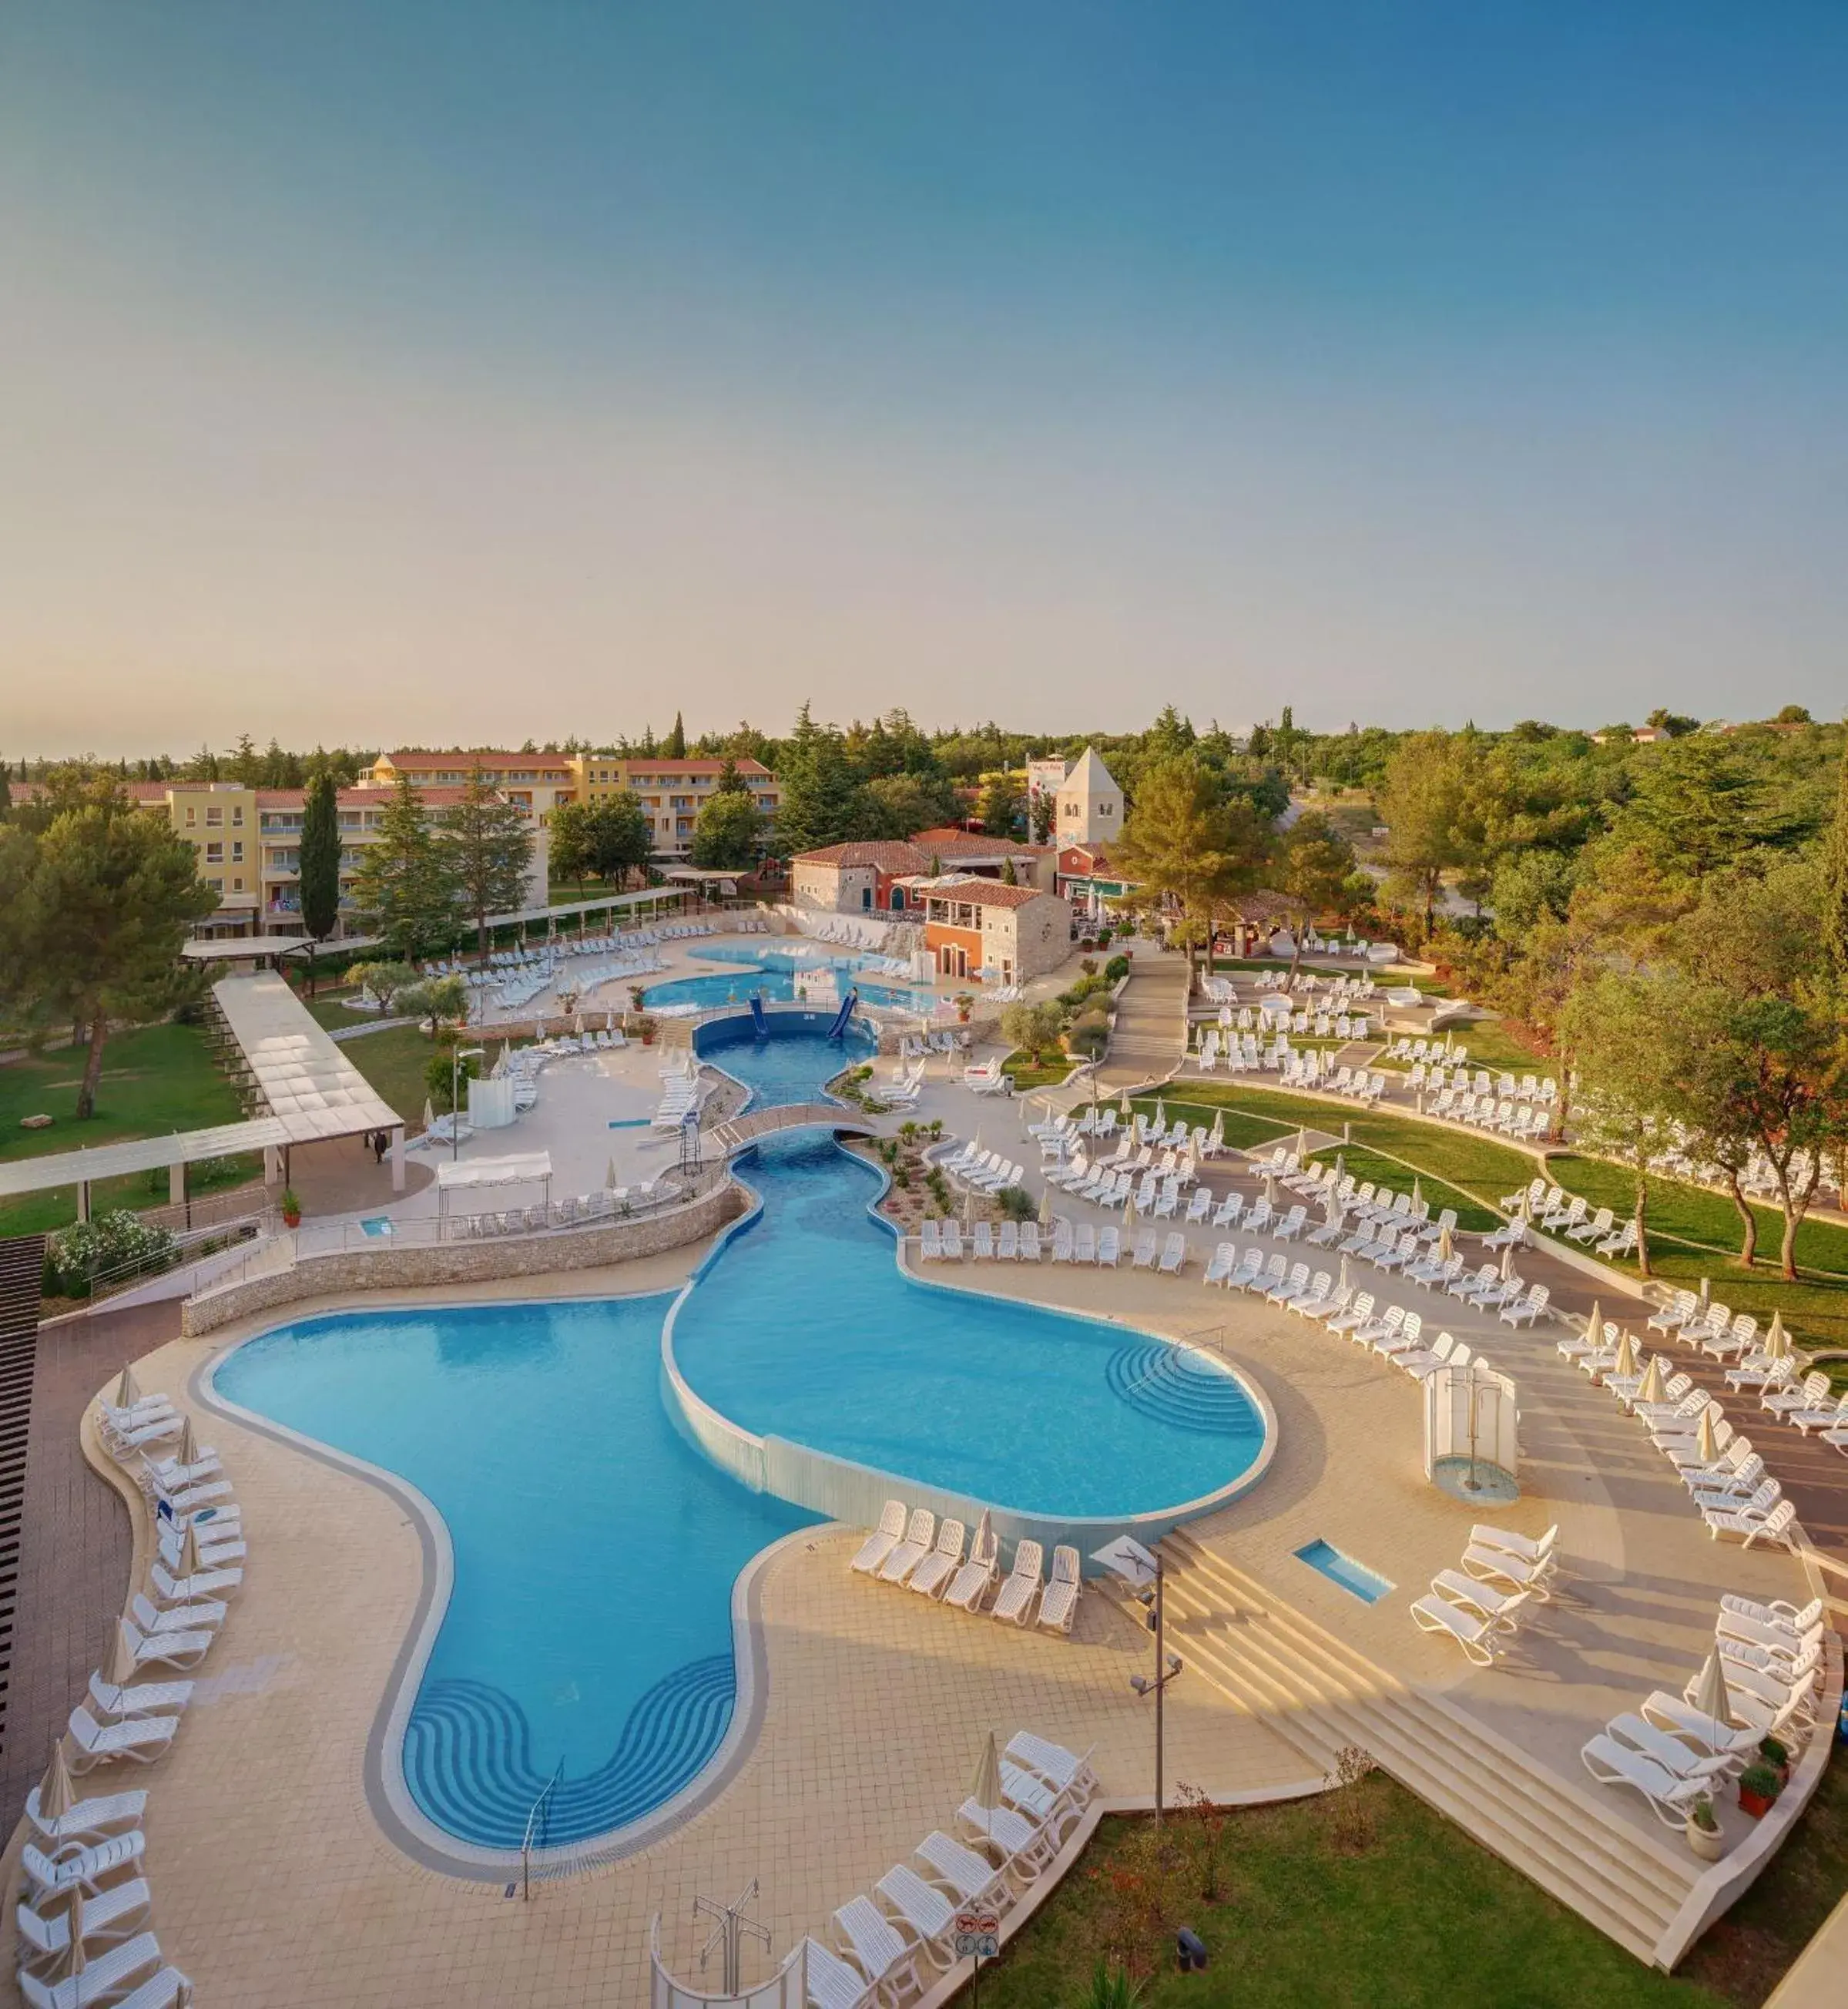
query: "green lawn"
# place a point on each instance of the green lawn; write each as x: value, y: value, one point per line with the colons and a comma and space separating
x: 1477, y: 1168
x: 394, y: 1062
x: 1491, y: 1045
x: 1417, y: 1918
x: 1051, y: 1071
x: 1694, y: 1233
x: 155, y: 1079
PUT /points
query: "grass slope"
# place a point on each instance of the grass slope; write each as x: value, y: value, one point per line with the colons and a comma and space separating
x: 155, y: 1079
x: 1422, y: 1917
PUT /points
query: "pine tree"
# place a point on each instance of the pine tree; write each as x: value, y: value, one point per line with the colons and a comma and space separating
x: 99, y: 907
x: 319, y: 882
x: 402, y: 883
x: 486, y: 847
x: 818, y: 798
x: 676, y: 747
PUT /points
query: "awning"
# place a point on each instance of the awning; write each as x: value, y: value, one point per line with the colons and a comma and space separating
x: 523, y: 1168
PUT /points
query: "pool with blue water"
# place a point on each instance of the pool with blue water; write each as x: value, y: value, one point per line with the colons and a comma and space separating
x: 773, y: 976
x: 539, y: 1433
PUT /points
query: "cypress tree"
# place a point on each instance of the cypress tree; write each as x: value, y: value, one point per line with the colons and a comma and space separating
x: 320, y: 865
x: 1834, y: 876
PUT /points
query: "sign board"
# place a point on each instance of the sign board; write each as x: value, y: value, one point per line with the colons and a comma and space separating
x: 978, y: 1934
x: 1126, y: 1558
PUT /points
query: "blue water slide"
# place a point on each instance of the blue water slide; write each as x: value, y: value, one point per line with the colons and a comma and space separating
x: 838, y: 1029
x: 759, y: 1025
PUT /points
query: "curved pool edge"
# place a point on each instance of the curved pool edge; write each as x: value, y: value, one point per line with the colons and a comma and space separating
x: 403, y: 1822
x: 851, y: 1493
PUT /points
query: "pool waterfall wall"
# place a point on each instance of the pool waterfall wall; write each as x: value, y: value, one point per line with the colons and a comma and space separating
x: 856, y: 1495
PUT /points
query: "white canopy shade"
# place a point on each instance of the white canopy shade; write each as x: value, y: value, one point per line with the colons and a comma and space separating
x: 524, y: 1168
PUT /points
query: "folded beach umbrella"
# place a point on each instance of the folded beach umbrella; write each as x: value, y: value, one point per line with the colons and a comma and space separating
x: 1706, y: 1441
x: 56, y: 1794
x: 127, y: 1392
x: 1445, y: 1248
x: 1710, y: 1698
x: 985, y: 1787
x: 189, y: 1445
x: 1046, y: 1206
x: 1777, y: 1342
x: 1625, y: 1364
x: 1653, y: 1382
x: 1508, y: 1264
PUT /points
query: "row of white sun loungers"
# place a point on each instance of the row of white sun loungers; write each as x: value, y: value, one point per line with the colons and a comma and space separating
x: 1481, y: 1605
x: 1730, y: 1487
x: 1672, y: 1752
x: 940, y: 1562
x: 987, y: 1172
x: 1011, y: 1241
x: 894, y: 1945
x: 83, y: 1868
x: 580, y: 1211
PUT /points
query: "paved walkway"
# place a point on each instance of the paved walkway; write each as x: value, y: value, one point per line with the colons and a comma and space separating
x: 1150, y: 1039
x: 74, y: 1546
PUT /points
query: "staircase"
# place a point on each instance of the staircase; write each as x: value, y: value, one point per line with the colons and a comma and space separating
x: 22, y: 1270
x: 1320, y: 1695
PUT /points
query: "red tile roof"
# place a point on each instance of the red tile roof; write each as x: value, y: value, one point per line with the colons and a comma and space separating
x: 985, y: 893
x: 883, y: 855
x: 408, y: 763
x: 669, y: 766
x: 947, y: 843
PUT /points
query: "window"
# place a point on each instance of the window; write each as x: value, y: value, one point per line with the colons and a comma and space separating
x: 214, y: 819
x: 216, y: 885
x: 237, y: 885
x: 215, y: 854
x: 237, y: 852
x: 237, y: 816
x: 192, y: 813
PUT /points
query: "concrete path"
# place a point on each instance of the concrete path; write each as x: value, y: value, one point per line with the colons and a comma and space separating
x: 1150, y: 1040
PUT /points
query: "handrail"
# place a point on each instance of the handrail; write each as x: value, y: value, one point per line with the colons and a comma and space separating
x: 538, y: 1815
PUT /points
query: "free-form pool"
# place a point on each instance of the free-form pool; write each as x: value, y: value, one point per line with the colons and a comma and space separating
x: 588, y: 1632
x: 776, y: 983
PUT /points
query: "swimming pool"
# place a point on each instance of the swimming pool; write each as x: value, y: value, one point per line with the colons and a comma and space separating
x: 776, y: 983
x: 590, y: 1623
x: 571, y: 1501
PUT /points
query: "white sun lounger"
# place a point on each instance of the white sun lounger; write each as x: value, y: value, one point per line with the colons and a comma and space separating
x: 878, y: 1948
x: 1611, y: 1764
x: 923, y: 1907
x: 142, y: 1739
x: 116, y: 1913
x: 972, y: 1580
x: 87, y: 1866
x: 1024, y: 1846
x: 879, y: 1545
x: 105, y: 1978
x: 906, y: 1555
x: 833, y: 1984
x: 1058, y: 1604
x: 92, y: 1819
x: 932, y: 1576
x: 1475, y: 1636
x: 1064, y: 1771
x: 1015, y: 1601
x: 165, y: 1649
x: 958, y: 1869
x: 140, y: 1699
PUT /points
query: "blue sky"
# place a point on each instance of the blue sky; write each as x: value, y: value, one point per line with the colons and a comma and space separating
x: 463, y: 371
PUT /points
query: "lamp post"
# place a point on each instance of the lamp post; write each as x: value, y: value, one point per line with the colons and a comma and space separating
x: 457, y: 1056
x: 1126, y: 1558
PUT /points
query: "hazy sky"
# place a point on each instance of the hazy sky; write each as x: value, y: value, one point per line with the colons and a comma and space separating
x: 457, y: 371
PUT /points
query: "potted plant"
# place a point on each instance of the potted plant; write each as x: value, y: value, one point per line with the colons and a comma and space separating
x: 1777, y: 1756
x: 1759, y: 1785
x: 635, y: 994
x: 1703, y: 1830
x: 965, y: 1004
x: 645, y: 1029
x: 291, y: 1208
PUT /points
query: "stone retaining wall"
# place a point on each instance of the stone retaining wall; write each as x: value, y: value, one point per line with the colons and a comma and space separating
x: 413, y: 1267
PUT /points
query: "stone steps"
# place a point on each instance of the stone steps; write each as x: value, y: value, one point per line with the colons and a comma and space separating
x: 1322, y: 1696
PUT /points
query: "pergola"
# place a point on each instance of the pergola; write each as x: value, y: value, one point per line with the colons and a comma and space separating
x: 176, y: 1151
x: 303, y: 1079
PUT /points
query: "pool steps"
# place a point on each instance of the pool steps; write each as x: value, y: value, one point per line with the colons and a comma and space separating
x: 1320, y: 1695
x: 1164, y: 1381
x: 469, y: 1759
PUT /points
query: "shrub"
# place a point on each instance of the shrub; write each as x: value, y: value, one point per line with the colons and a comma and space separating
x: 1116, y: 968
x: 1033, y: 1028
x: 437, y: 1080
x: 1088, y: 1038
x: 77, y: 1255
x: 1017, y: 1204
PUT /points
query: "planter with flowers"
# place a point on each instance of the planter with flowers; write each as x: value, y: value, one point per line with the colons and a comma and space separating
x: 1759, y: 1786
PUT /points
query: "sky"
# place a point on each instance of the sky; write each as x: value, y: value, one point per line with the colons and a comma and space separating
x: 443, y: 372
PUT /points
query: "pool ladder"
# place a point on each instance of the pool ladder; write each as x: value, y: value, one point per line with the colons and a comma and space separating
x: 538, y: 1819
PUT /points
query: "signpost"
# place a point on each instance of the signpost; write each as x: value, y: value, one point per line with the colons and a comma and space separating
x: 977, y: 1938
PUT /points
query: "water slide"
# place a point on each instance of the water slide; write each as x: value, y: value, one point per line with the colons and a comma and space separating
x: 838, y: 1029
x: 758, y: 1023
